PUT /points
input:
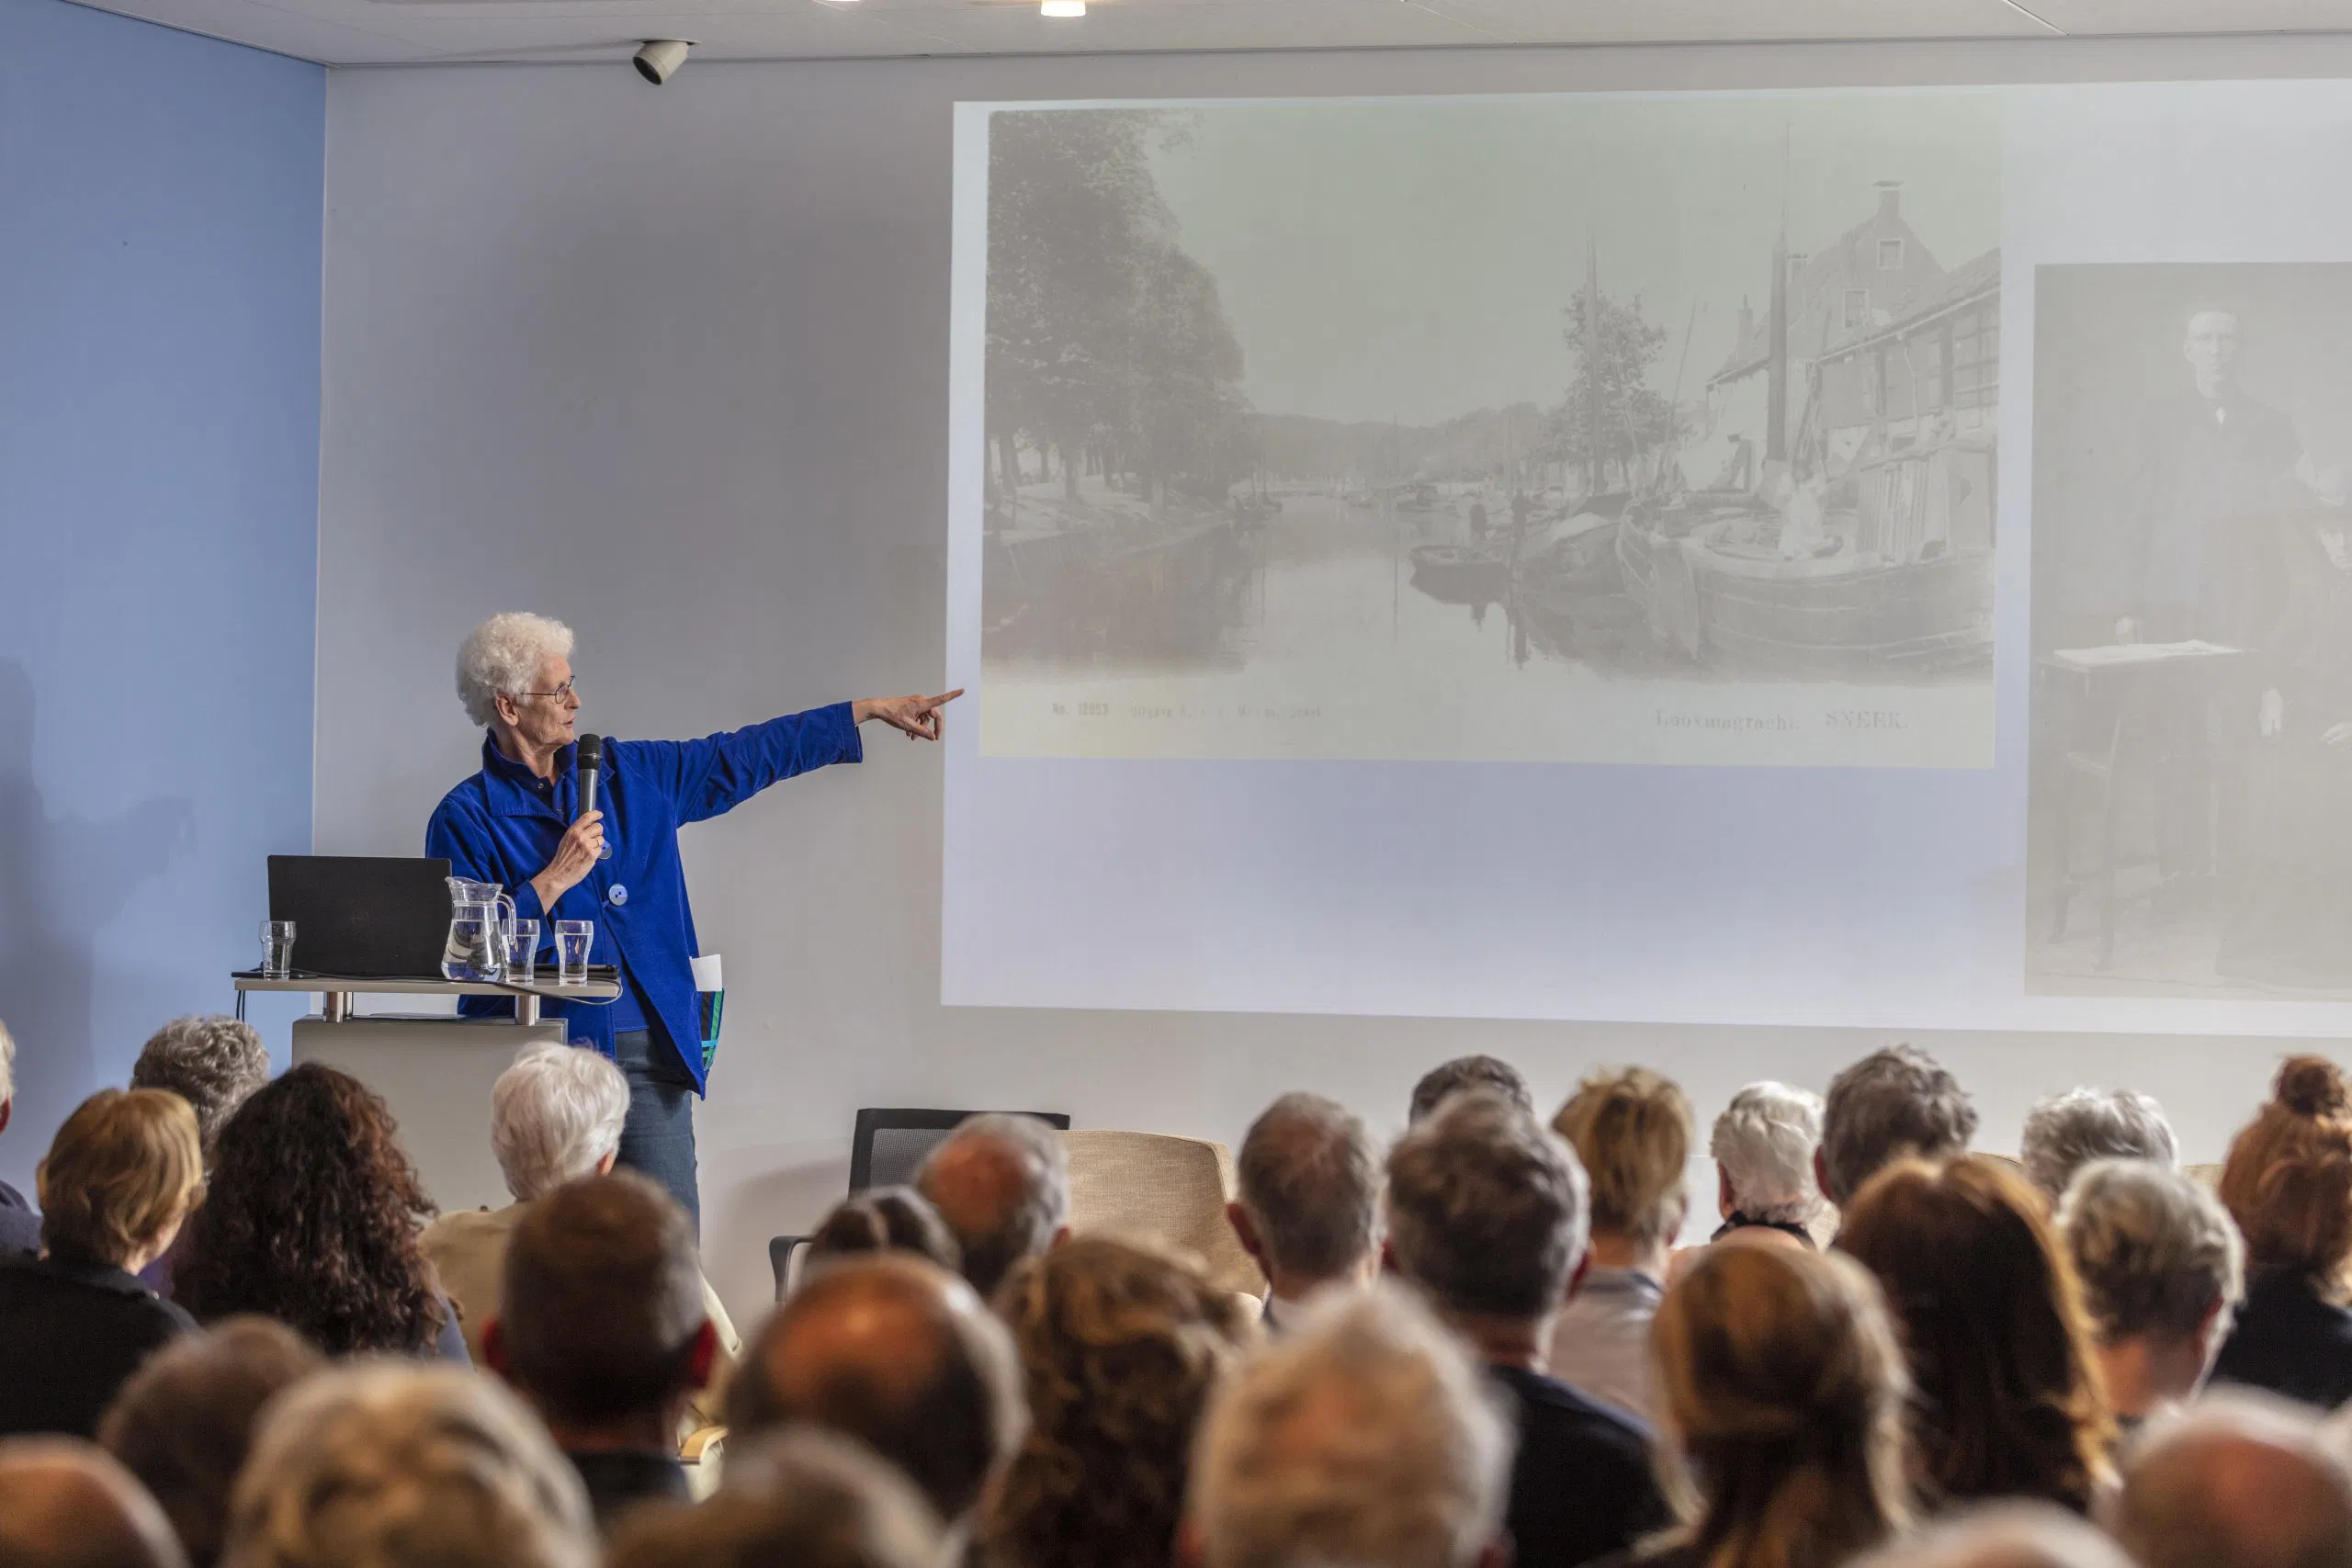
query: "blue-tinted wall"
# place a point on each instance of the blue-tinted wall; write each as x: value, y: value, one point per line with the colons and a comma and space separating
x: 161, y: 208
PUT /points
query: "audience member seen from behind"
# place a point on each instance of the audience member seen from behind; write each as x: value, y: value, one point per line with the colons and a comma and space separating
x: 555, y: 1116
x: 19, y: 1226
x: 2238, y: 1482
x: 1002, y: 1182
x: 1632, y: 1131
x: 1120, y: 1348
x: 1992, y: 1319
x: 75, y: 1322
x: 1489, y: 1072
x: 211, y: 1062
x: 2162, y: 1271
x: 1764, y: 1144
x: 899, y: 1354
x: 2003, y: 1535
x: 802, y: 1498
x: 2287, y: 1182
x: 1487, y: 1214
x: 2066, y: 1131
x: 65, y: 1504
x: 1893, y: 1104
x: 392, y: 1464
x: 885, y: 1219
x: 602, y: 1330
x: 1366, y: 1436
x: 1307, y: 1206
x: 1783, y: 1392
x: 313, y: 1220
x: 186, y: 1420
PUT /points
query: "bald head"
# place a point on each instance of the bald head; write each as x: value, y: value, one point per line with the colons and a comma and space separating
x: 897, y: 1353
x: 2238, y: 1483
x: 1002, y: 1182
x: 66, y: 1505
x: 2009, y: 1534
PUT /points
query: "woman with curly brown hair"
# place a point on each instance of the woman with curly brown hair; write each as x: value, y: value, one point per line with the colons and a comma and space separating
x: 312, y: 1219
x: 2288, y: 1184
x: 1120, y: 1347
x: 2008, y: 1399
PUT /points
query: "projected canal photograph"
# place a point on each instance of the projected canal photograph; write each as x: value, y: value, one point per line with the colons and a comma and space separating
x: 1630, y: 429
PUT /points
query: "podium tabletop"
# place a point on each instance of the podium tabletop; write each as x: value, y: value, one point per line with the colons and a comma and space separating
x: 594, y: 990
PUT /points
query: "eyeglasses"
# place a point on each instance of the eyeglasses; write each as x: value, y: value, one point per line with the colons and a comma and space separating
x: 558, y: 694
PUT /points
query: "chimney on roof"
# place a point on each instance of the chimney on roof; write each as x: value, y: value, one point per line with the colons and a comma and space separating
x: 1889, y: 199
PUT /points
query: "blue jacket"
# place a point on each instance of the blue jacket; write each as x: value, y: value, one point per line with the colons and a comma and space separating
x: 502, y: 825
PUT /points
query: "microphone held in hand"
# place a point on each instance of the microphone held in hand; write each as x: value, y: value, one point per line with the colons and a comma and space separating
x: 591, y: 764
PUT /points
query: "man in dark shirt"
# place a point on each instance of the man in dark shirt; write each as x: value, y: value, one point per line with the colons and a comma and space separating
x: 601, y: 1327
x: 1488, y: 1213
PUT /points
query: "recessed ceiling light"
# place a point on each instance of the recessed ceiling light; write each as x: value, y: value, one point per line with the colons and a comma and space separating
x: 1061, y: 9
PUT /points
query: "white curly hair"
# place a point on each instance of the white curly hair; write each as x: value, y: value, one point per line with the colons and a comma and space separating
x: 503, y: 655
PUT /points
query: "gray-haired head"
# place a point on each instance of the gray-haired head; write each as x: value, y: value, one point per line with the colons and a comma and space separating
x: 1365, y: 1437
x: 1488, y: 1209
x: 211, y: 1062
x: 2001, y: 1535
x: 1896, y: 1102
x: 1490, y: 1073
x: 65, y: 1504
x: 395, y: 1464
x: 2066, y: 1131
x: 1309, y: 1175
x: 1002, y: 1182
x: 803, y: 1497
x: 8, y: 1064
x: 2156, y: 1253
x: 554, y: 1115
x: 1764, y: 1143
x: 2238, y: 1480
x: 501, y: 658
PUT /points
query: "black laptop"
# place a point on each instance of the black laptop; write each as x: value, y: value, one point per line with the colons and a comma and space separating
x: 368, y: 916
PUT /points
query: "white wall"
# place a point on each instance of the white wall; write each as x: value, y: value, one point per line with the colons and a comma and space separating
x: 673, y: 366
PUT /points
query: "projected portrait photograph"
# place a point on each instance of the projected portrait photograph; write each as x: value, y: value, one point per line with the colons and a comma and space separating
x: 1642, y: 428
x: 2192, y: 631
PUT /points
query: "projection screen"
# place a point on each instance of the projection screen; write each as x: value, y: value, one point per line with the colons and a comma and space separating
x: 1858, y: 557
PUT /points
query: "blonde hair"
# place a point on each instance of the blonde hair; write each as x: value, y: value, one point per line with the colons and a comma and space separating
x: 1782, y: 1380
x: 2287, y: 1181
x: 1632, y: 1132
x: 124, y: 1170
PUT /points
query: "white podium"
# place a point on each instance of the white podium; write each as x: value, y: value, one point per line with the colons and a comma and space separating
x: 434, y: 1070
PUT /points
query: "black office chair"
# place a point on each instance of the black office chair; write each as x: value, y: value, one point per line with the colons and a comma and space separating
x: 886, y: 1149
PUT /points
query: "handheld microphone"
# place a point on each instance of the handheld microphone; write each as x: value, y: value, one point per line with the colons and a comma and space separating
x: 589, y: 760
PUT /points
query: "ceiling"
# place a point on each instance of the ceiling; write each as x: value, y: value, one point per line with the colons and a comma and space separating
x: 376, y: 32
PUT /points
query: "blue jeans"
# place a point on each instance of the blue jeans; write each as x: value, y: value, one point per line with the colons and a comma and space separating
x: 658, y: 1139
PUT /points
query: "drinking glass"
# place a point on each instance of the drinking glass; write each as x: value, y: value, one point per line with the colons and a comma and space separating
x: 523, y: 953
x: 277, y: 949
x: 572, y: 940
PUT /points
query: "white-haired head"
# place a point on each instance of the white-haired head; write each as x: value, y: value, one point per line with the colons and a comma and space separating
x: 2066, y: 1131
x: 1764, y: 1143
x: 398, y: 1465
x: 8, y: 1064
x: 554, y: 1115
x: 501, y: 658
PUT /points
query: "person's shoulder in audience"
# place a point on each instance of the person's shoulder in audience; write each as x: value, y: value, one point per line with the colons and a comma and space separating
x: 2291, y: 1340
x: 468, y: 1250
x: 1582, y: 1486
x: 19, y: 1225
x: 70, y: 1334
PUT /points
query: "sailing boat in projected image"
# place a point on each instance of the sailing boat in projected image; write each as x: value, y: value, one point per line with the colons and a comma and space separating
x: 1861, y: 546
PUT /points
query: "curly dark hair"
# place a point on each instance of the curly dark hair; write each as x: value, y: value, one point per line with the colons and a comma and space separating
x: 1121, y: 1348
x: 312, y: 1219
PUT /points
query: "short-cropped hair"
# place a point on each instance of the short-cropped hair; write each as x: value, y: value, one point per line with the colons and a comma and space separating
x: 211, y: 1062
x: 899, y: 1354
x: 1486, y: 1208
x: 185, y: 1421
x: 2240, y: 1478
x: 1891, y: 1104
x: 2155, y: 1252
x: 1764, y: 1143
x: 1017, y: 1209
x: 885, y: 1219
x: 1632, y: 1130
x: 801, y: 1497
x: 1308, y: 1176
x: 501, y: 658
x: 394, y: 1465
x: 1490, y: 1073
x: 603, y: 1300
x: 2066, y: 1131
x: 554, y: 1115
x: 124, y: 1169
x: 1365, y: 1436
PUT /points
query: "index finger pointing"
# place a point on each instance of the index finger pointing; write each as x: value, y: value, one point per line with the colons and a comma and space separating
x: 943, y: 699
